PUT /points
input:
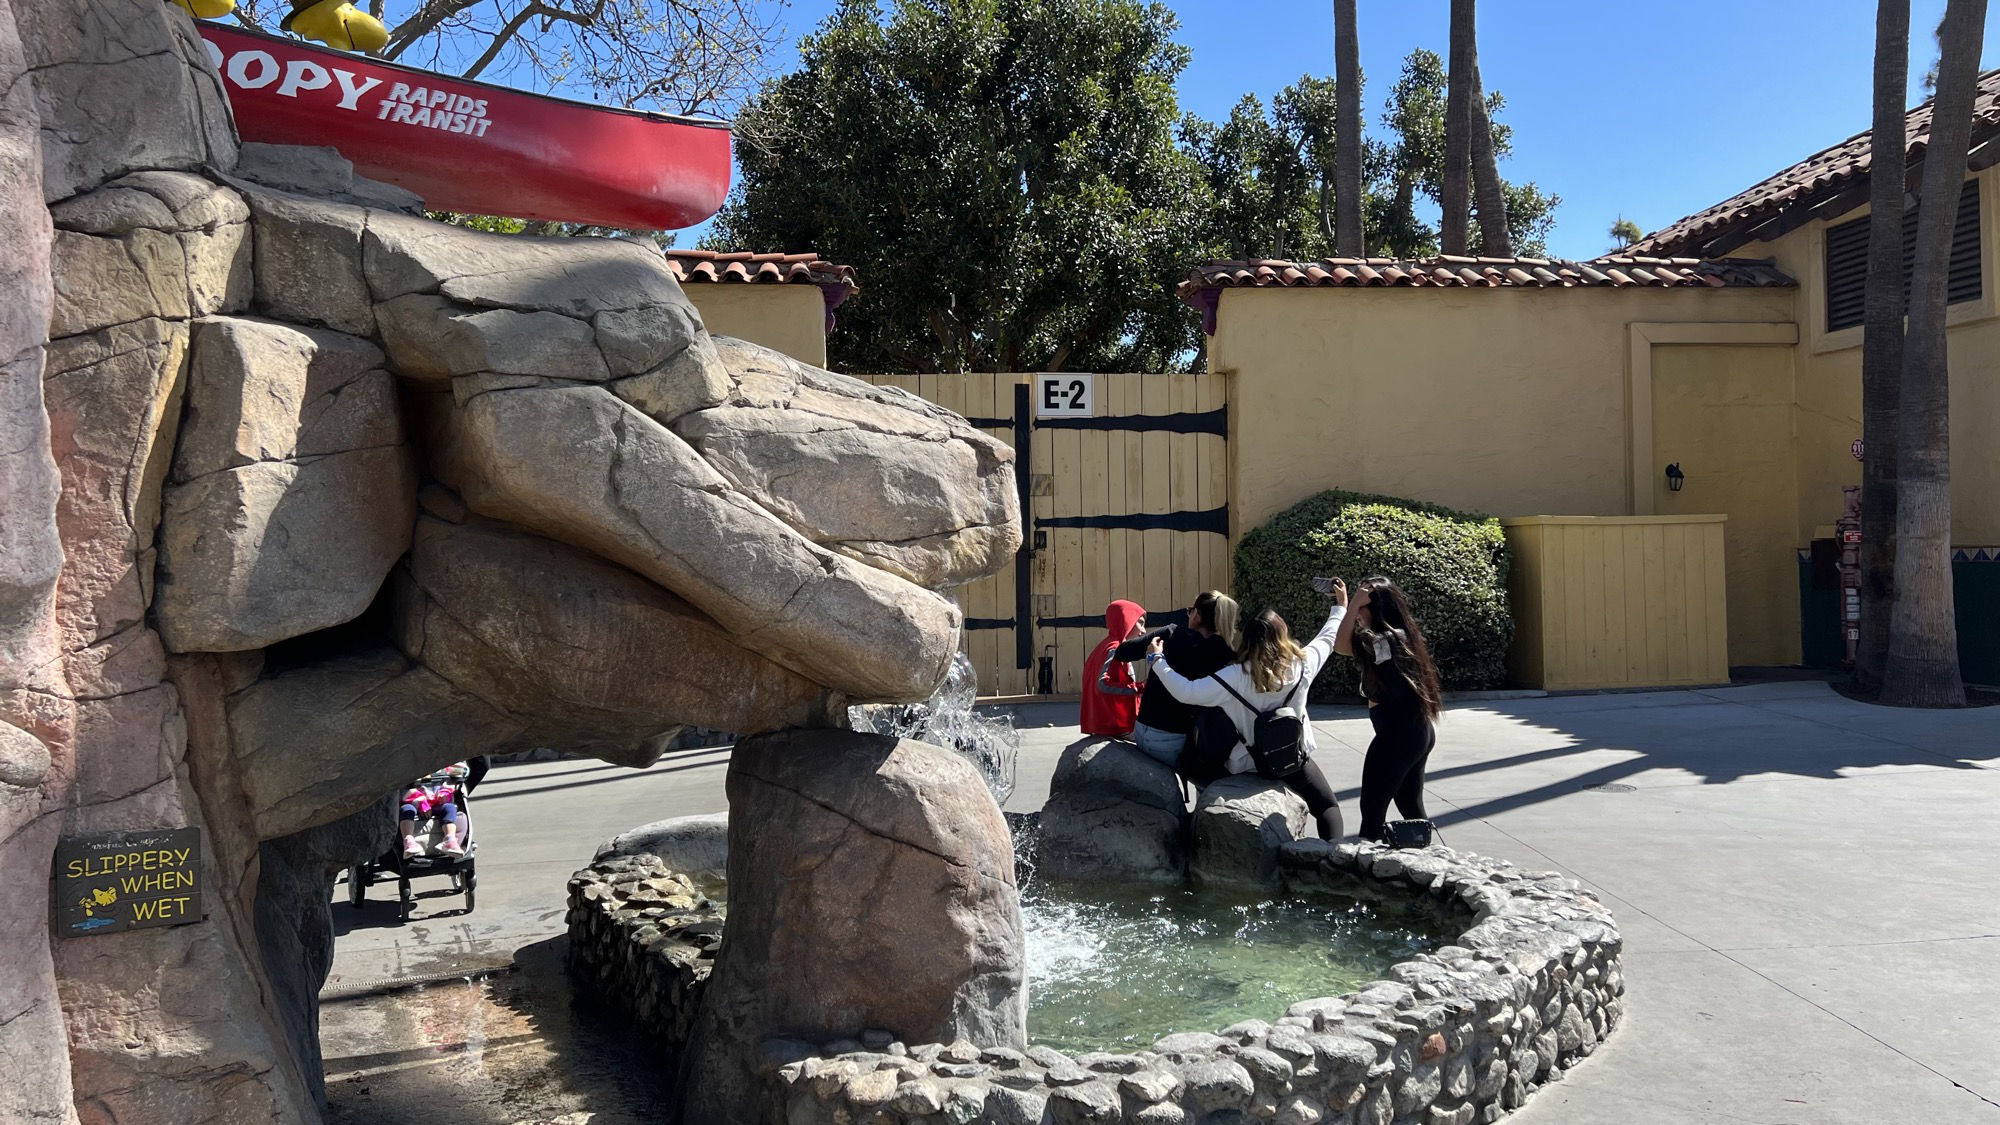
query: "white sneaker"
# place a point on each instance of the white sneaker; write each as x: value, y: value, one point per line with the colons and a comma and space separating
x: 412, y: 849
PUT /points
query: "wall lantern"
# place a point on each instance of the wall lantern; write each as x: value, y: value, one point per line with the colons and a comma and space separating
x: 1675, y: 478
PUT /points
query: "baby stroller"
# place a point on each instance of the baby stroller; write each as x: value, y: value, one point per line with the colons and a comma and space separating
x: 434, y: 861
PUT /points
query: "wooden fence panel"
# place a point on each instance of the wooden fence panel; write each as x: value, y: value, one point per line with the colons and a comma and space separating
x: 1617, y: 601
x: 1130, y: 503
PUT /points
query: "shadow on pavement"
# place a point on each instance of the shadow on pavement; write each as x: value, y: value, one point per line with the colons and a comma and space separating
x: 512, y: 1047
x: 1712, y: 738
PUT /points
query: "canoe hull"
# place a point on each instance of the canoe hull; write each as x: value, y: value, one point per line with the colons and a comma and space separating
x: 474, y: 147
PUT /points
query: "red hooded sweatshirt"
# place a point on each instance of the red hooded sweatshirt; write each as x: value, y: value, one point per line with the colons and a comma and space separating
x: 1111, y: 716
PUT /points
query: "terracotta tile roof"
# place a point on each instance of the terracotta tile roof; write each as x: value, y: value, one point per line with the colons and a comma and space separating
x: 1822, y: 186
x: 1482, y: 273
x: 776, y: 269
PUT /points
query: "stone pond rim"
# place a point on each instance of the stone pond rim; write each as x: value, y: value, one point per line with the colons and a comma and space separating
x: 1464, y: 1033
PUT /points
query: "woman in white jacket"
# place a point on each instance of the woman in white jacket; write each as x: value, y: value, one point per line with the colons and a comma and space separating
x: 1271, y: 670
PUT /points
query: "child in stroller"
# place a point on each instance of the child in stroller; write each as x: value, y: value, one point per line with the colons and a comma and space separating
x: 431, y: 804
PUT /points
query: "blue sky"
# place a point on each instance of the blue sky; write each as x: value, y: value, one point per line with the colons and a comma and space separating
x: 1647, y: 110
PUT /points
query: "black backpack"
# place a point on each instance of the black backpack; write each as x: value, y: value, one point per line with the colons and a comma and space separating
x: 1277, y: 737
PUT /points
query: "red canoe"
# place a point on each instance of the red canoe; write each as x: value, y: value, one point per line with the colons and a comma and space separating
x: 474, y: 147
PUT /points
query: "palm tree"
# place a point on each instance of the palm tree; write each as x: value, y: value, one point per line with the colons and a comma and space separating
x: 1882, y: 338
x: 1457, y: 188
x: 1347, y: 239
x: 1922, y: 670
x: 1624, y: 233
x: 1494, y: 241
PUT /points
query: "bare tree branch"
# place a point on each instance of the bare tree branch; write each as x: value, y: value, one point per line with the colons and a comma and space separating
x: 683, y: 56
x: 506, y: 34
x: 428, y: 17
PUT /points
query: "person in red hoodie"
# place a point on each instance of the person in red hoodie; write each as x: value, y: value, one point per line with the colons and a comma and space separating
x: 1110, y: 692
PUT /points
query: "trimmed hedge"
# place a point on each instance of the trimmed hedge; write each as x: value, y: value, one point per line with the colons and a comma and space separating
x: 1452, y: 565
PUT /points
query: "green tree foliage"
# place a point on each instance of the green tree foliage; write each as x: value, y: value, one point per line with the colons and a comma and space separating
x: 501, y: 224
x: 1624, y: 233
x: 1019, y: 189
x: 1004, y: 174
x: 1453, y: 566
x: 1270, y: 172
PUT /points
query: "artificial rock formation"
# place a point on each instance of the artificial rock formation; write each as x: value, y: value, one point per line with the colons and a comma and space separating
x: 871, y: 884
x: 305, y: 494
x: 1113, y: 813
x: 1240, y: 822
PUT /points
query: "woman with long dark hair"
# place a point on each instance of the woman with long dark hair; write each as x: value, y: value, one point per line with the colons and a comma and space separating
x: 1271, y: 670
x: 1400, y: 682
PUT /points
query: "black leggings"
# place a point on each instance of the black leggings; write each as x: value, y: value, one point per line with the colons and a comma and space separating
x: 1311, y: 784
x: 1394, y: 767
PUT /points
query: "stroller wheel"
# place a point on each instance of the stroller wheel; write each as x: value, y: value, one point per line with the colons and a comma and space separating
x: 357, y: 885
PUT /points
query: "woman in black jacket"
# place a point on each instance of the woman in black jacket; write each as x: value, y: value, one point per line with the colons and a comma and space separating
x: 1400, y: 681
x: 1205, y: 645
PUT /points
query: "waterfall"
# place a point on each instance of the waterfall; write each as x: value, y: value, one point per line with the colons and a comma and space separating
x: 947, y: 719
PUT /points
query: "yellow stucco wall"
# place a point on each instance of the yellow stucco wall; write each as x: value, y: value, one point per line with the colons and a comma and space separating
x: 1507, y: 401
x: 789, y: 318
x: 1829, y: 382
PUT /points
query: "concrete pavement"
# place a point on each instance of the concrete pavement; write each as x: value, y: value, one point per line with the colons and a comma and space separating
x: 1806, y: 885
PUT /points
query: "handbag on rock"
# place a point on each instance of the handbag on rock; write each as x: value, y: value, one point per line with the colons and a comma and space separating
x: 1408, y: 833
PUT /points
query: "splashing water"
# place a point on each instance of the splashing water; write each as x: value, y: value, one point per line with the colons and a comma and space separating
x: 947, y: 719
x: 1115, y: 966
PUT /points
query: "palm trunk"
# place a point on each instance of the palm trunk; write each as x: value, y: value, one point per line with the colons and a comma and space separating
x: 1494, y: 241
x: 1457, y: 201
x: 1922, y: 670
x: 1882, y: 339
x: 1347, y: 240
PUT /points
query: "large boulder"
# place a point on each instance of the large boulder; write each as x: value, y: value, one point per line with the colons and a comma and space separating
x: 1239, y: 823
x: 31, y: 558
x: 153, y: 244
x: 308, y: 261
x: 294, y: 918
x: 292, y: 492
x: 121, y: 86
x: 30, y: 552
x: 593, y: 657
x: 114, y: 402
x: 696, y: 846
x: 577, y: 277
x: 873, y: 473
x: 397, y: 720
x: 871, y: 885
x: 1113, y: 813
x: 577, y: 464
x: 319, y: 171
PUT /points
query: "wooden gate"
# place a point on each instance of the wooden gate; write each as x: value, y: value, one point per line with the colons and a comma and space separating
x: 1128, y: 502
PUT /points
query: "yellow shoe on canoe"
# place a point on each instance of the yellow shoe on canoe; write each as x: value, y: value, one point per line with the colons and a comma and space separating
x: 205, y: 9
x: 337, y: 23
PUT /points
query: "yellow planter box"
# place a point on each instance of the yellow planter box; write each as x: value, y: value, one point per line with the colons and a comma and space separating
x: 1618, y: 601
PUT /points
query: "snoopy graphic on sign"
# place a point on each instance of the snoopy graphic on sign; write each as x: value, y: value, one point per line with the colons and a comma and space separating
x: 98, y: 899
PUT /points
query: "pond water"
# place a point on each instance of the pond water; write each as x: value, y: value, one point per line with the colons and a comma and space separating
x: 1114, y: 967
